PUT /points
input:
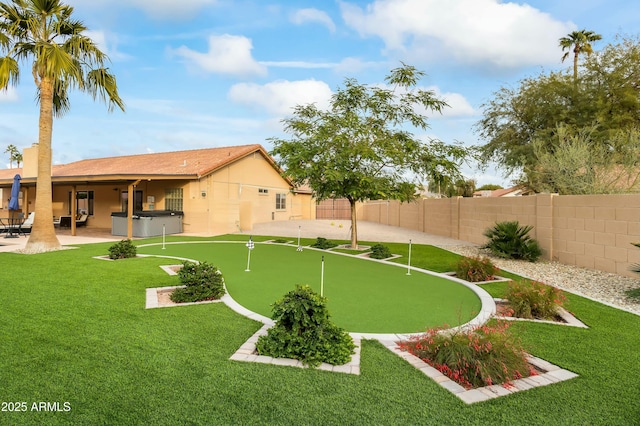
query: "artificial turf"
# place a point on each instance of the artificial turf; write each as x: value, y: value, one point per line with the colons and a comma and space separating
x: 74, y: 329
x: 363, y: 295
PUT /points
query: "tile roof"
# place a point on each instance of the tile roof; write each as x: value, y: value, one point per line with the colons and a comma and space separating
x: 188, y: 164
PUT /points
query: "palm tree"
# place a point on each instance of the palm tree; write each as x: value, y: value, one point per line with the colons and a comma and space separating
x: 581, y: 43
x: 44, y: 31
x: 13, y: 153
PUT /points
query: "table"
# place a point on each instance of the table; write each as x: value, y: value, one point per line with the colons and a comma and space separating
x: 12, y: 226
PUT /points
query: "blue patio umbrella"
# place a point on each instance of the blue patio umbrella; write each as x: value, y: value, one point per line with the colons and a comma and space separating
x: 15, y: 194
x: 14, y: 204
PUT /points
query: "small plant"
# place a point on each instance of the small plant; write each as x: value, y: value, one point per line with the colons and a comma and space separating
x: 530, y: 299
x: 280, y: 241
x: 633, y: 294
x: 202, y: 281
x: 476, y: 269
x: 509, y: 240
x: 122, y: 250
x: 483, y: 356
x: 303, y: 331
x: 379, y: 251
x: 323, y: 243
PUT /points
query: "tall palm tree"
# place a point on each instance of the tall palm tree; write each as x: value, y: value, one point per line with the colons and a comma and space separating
x: 12, y: 151
x: 44, y: 31
x: 580, y: 41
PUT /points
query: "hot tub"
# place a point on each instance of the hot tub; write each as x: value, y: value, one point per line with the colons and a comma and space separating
x: 148, y: 223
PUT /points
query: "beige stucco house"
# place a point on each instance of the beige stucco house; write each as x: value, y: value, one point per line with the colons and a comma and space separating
x: 219, y: 190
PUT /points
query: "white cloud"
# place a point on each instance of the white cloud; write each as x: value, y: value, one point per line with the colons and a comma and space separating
x: 471, y: 31
x: 228, y: 54
x: 280, y: 97
x: 10, y: 94
x: 298, y: 64
x: 459, y: 106
x: 303, y: 16
x: 107, y: 44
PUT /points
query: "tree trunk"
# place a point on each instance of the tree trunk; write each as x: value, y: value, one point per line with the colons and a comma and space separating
x: 43, y: 234
x: 354, y: 226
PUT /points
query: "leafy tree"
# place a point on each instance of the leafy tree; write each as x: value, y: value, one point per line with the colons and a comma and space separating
x: 45, y: 32
x: 14, y: 155
x: 489, y: 187
x: 578, y: 165
x: 359, y: 148
x: 578, y: 42
x: 606, y: 102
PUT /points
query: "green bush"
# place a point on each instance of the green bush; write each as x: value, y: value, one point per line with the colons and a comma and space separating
x: 530, y: 299
x: 123, y: 250
x: 202, y: 281
x: 509, y: 240
x: 483, y: 356
x: 303, y: 331
x: 323, y: 243
x: 279, y: 241
x: 379, y: 251
x: 475, y: 269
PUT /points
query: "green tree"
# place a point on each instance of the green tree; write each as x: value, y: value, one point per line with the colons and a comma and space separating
x: 578, y: 165
x: 606, y: 102
x: 14, y: 155
x: 63, y: 58
x: 359, y: 148
x: 489, y: 187
x: 578, y: 42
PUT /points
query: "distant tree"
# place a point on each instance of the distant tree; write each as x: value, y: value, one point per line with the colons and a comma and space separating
x: 63, y: 58
x: 578, y: 165
x: 461, y: 188
x: 489, y: 187
x: 14, y: 155
x: 359, y: 148
x: 606, y: 102
x: 578, y: 42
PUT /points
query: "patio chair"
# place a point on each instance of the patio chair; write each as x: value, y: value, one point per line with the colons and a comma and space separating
x: 82, y: 220
x: 25, y: 227
x: 65, y: 222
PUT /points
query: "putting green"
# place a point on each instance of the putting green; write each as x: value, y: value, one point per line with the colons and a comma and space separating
x: 362, y: 295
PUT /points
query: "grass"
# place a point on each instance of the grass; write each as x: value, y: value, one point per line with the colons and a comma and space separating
x: 74, y: 329
x: 363, y: 296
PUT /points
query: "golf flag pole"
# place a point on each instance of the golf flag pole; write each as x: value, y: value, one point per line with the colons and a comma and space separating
x: 409, y: 261
x: 299, y: 246
x: 250, y: 246
x: 322, y: 278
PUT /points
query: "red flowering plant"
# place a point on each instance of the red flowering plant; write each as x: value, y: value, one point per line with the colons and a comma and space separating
x: 531, y: 299
x: 482, y: 356
x: 475, y: 269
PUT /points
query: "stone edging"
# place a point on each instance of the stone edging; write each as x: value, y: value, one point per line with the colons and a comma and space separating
x: 247, y: 353
x: 553, y: 374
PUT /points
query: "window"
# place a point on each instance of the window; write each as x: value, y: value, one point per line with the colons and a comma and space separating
x: 137, y: 201
x: 263, y: 191
x: 173, y: 199
x: 281, y: 201
x: 84, y: 202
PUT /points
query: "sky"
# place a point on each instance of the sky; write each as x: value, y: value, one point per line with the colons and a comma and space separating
x: 211, y: 73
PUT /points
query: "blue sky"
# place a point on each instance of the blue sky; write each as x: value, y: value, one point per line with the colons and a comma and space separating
x: 209, y: 73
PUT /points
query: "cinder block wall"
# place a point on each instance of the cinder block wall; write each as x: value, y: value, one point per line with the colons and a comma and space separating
x: 591, y: 231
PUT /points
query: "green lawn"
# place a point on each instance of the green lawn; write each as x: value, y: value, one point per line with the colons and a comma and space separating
x: 363, y: 296
x: 74, y: 329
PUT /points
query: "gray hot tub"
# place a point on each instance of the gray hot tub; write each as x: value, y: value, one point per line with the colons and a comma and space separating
x: 148, y: 223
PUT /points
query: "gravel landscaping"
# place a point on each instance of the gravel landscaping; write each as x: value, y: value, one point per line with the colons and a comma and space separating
x: 604, y: 287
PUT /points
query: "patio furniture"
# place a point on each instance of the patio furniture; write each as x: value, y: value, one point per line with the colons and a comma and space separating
x: 65, y: 222
x: 25, y: 227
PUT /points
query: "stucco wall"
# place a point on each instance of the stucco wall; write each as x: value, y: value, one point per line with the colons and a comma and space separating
x: 591, y: 231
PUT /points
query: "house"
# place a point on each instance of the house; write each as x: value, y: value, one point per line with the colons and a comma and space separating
x: 218, y: 190
x: 515, y: 191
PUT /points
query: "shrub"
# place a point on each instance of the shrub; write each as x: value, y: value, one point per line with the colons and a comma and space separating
x: 633, y: 294
x: 379, y: 251
x: 636, y: 268
x: 323, y: 243
x: 530, y: 299
x: 202, y: 281
x: 303, y: 331
x: 475, y: 269
x: 279, y: 241
x: 509, y: 240
x: 123, y: 250
x: 483, y: 356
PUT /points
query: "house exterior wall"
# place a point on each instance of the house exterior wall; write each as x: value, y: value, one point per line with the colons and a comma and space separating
x: 590, y: 231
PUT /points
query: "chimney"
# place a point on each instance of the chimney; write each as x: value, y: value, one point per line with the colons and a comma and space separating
x: 30, y: 162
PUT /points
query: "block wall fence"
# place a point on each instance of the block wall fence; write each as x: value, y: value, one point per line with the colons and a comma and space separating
x: 590, y: 231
